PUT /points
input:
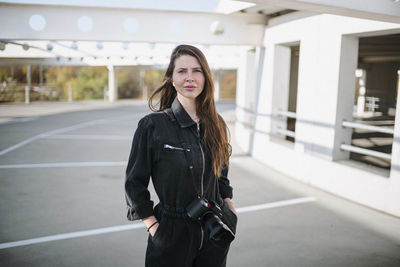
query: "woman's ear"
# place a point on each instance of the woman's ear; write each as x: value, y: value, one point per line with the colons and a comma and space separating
x: 172, y: 81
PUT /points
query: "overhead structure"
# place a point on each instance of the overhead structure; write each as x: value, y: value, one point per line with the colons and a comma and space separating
x: 298, y: 63
x: 122, y: 32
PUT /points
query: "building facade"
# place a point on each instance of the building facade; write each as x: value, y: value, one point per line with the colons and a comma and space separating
x: 318, y: 103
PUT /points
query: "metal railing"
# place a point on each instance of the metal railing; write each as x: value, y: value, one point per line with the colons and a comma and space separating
x: 372, y: 128
x: 364, y: 151
x: 286, y: 132
x: 287, y: 114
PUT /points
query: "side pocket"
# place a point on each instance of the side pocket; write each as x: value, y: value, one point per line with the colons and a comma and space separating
x: 157, y: 214
x: 230, y: 218
x: 156, y: 234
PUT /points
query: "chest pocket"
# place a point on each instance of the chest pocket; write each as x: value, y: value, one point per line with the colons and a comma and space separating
x: 174, y: 148
x: 173, y: 155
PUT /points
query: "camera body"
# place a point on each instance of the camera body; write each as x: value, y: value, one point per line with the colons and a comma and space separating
x: 211, y: 217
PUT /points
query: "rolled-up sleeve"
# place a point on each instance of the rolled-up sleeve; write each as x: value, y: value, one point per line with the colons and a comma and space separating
x: 225, y: 189
x: 138, y: 172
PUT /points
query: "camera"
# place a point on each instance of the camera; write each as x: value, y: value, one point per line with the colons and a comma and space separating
x: 211, y: 217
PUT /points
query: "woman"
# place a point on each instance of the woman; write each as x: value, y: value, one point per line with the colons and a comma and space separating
x: 184, y: 148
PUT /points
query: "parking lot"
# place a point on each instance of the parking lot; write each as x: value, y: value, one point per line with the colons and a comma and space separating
x: 62, y: 199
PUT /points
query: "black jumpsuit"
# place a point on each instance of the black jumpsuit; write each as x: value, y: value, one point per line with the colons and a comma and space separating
x: 180, y: 169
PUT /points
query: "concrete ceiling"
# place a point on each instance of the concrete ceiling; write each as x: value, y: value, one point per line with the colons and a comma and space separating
x: 132, y: 32
x: 385, y: 48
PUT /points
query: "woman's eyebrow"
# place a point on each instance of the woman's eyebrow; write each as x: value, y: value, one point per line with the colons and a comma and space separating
x: 182, y: 68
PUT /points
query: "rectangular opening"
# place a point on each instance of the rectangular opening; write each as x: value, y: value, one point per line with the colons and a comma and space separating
x: 292, y: 99
x: 377, y: 83
x: 285, y: 91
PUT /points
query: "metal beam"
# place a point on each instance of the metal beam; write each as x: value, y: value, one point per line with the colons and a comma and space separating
x: 388, y: 11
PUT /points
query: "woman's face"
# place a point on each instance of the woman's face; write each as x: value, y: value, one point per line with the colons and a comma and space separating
x: 188, y: 77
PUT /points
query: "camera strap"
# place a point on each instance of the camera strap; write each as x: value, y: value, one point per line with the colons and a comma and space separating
x: 171, y: 116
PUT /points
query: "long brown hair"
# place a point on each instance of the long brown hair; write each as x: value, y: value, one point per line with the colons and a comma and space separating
x: 215, y: 129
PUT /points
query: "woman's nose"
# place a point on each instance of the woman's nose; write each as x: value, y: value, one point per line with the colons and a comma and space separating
x: 189, y: 76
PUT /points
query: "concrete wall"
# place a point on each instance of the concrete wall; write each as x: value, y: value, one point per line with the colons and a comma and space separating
x: 325, y: 97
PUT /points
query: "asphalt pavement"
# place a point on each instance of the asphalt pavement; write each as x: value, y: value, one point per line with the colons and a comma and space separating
x: 62, y: 199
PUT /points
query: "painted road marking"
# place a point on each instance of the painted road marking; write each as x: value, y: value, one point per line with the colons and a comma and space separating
x: 65, y: 164
x: 276, y: 204
x: 127, y: 227
x: 90, y: 137
x: 71, y: 235
x: 63, y: 130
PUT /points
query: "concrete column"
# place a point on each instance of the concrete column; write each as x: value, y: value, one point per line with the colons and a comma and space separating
x: 70, y: 93
x: 259, y: 68
x: 394, y: 197
x: 259, y: 65
x: 112, y: 84
x: 346, y: 94
x: 246, y: 77
x: 281, y: 80
x: 105, y: 92
x: 28, y: 84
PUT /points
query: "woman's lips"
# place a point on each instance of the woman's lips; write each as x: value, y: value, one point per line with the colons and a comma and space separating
x: 190, y: 87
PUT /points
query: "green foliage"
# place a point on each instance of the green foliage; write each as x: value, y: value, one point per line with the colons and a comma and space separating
x: 153, y: 79
x: 90, y: 83
x: 129, y: 83
x: 10, y: 91
x: 228, y: 85
x: 86, y: 82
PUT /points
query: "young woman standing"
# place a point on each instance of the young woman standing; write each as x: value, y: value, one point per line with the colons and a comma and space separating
x: 184, y: 148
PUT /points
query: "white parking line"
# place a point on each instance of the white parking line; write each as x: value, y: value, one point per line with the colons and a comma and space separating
x: 90, y: 137
x: 65, y: 164
x: 63, y: 130
x: 276, y: 204
x: 141, y: 225
x: 71, y: 235
x: 46, y: 134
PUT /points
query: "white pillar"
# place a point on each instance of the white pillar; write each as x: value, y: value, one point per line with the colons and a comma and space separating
x: 248, y: 89
x: 70, y: 93
x: 346, y: 94
x: 105, y: 93
x: 394, y: 198
x: 246, y: 74
x: 280, y: 86
x: 28, y: 86
x: 244, y: 101
x: 112, y: 84
x: 27, y: 94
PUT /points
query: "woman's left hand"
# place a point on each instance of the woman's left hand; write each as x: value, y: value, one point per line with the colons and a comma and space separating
x: 230, y: 204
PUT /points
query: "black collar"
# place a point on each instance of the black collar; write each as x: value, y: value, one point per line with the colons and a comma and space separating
x: 181, y: 115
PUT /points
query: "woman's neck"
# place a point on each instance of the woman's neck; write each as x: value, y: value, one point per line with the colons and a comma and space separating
x: 190, y: 107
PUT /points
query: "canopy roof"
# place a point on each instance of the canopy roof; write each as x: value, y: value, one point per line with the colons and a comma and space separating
x: 137, y: 32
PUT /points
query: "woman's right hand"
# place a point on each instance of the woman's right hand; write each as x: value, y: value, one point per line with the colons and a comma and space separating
x: 153, y: 230
x: 149, y: 221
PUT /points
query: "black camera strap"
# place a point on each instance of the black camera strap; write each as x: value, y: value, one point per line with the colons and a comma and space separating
x: 171, y: 116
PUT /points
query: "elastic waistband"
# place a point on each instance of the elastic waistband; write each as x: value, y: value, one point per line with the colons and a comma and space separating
x: 171, y: 211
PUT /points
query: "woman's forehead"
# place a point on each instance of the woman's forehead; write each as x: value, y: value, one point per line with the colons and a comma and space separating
x: 187, y: 61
